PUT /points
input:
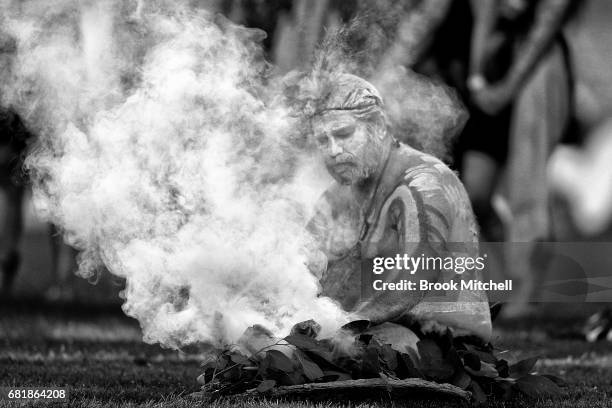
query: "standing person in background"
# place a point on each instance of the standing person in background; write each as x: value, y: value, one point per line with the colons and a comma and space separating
x: 13, y: 138
x: 538, y: 84
x: 13, y: 142
x: 293, y: 27
x: 581, y: 175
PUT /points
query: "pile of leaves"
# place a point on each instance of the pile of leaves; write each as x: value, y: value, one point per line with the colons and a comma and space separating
x: 465, y: 362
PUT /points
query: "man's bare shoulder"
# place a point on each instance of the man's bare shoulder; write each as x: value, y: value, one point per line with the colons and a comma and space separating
x: 438, y: 188
x: 424, y: 171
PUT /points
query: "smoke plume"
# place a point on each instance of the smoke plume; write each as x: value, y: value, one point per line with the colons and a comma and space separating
x: 165, y: 155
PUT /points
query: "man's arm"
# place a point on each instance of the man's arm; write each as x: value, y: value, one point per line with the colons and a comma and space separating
x: 485, y: 16
x: 415, y: 33
x: 416, y: 219
x: 548, y: 21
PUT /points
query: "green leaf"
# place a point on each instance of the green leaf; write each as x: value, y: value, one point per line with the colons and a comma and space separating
x: 411, y: 369
x: 557, y: 380
x: 311, y: 370
x: 208, y: 364
x: 522, y: 368
x: 266, y: 386
x: 292, y: 378
x: 486, y: 356
x: 452, y: 356
x: 537, y: 386
x: 472, y: 361
x: 502, y: 368
x: 494, y: 310
x: 241, y: 359
x: 345, y: 364
x: 264, y: 365
x: 201, y: 379
x: 370, y: 365
x: 306, y: 343
x: 480, y: 398
x: 433, y: 364
x: 308, y: 328
x: 503, y: 389
x: 315, y: 350
x: 486, y: 370
x: 232, y: 374
x: 388, y: 357
x: 220, y: 363
x: 330, y: 375
x: 279, y: 361
x: 461, y: 379
x: 357, y: 326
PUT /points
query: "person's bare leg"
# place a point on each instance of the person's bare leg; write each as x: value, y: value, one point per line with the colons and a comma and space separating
x: 63, y: 265
x: 13, y: 225
x: 55, y: 243
x: 540, y: 118
x: 480, y: 175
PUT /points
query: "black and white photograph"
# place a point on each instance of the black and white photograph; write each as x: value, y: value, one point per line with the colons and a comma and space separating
x: 306, y: 203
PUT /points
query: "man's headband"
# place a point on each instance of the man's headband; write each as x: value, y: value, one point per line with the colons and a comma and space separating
x: 346, y: 92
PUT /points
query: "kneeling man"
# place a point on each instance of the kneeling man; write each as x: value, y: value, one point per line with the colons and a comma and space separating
x: 389, y: 199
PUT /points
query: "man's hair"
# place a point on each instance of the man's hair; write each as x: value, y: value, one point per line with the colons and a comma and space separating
x: 347, y: 92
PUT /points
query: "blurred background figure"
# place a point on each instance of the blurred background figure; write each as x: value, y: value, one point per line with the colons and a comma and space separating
x: 294, y: 28
x: 63, y: 268
x: 13, y: 142
x: 538, y: 82
x: 534, y: 96
x: 581, y: 175
x: 560, y: 141
x: 13, y: 138
x: 14, y: 205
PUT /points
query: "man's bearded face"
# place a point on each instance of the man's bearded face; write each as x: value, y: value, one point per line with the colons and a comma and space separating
x: 352, y: 150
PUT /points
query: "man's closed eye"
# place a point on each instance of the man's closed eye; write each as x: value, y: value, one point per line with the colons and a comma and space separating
x: 343, y: 132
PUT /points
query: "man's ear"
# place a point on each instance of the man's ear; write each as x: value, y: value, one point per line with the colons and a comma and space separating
x: 380, y: 124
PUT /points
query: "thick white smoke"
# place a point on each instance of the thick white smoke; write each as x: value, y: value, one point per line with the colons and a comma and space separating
x: 164, y: 157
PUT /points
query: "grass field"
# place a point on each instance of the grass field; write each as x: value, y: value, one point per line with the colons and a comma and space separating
x: 98, y: 354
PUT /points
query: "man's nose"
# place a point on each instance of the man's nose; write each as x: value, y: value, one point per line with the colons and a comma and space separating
x: 334, y: 148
